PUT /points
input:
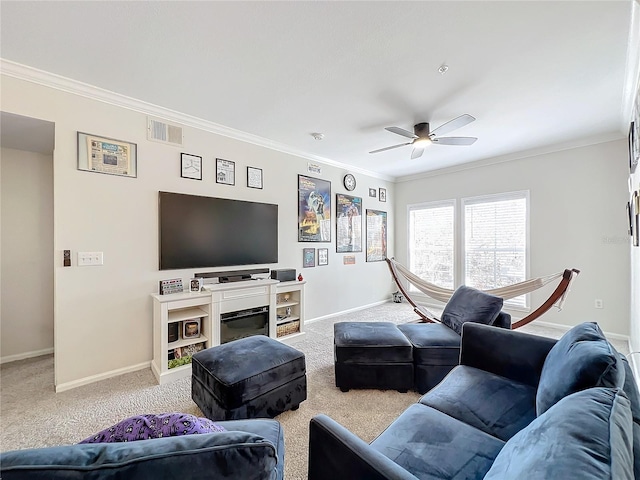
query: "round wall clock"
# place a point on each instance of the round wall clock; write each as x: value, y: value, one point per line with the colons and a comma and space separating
x: 349, y: 182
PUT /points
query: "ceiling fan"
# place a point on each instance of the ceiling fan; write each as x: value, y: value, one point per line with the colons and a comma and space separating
x: 422, y: 137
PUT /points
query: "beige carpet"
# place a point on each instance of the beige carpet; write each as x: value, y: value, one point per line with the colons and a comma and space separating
x: 33, y: 415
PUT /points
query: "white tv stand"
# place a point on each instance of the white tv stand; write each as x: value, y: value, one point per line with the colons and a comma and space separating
x: 208, y: 305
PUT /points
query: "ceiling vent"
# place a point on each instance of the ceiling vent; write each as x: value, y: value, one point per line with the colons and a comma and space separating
x: 159, y: 131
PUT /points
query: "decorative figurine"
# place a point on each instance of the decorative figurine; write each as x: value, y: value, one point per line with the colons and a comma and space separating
x: 300, y: 277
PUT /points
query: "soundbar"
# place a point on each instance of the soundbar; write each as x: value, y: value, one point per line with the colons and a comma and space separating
x: 232, y: 275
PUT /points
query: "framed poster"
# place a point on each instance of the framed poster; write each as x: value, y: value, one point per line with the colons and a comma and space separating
x: 190, y: 166
x: 323, y: 256
x: 308, y: 257
x: 107, y: 155
x: 225, y: 171
x: 376, y: 235
x: 348, y: 223
x: 254, y: 177
x: 314, y: 209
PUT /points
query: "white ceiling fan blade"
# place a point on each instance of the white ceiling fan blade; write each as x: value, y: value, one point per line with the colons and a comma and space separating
x: 389, y: 148
x: 454, y: 140
x: 417, y: 152
x: 452, y: 125
x: 400, y: 131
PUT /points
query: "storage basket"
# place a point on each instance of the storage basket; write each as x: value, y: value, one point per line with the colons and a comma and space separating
x: 288, y: 328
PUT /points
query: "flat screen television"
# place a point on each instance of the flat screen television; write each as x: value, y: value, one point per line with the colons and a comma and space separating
x: 197, y: 232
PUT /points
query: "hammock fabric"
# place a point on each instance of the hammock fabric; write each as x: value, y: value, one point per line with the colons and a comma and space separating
x: 432, y: 290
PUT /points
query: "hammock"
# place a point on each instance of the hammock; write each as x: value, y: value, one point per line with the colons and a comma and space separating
x: 432, y: 290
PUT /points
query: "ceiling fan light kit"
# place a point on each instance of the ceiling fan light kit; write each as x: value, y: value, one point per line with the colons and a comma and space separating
x: 422, y: 137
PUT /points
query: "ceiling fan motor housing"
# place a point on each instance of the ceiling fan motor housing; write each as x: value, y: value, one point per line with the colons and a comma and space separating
x: 421, y: 129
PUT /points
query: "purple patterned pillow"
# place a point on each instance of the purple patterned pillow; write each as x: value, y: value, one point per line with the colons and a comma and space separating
x: 144, y: 427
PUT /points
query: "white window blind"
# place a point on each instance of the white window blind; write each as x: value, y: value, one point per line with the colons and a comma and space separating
x: 432, y: 243
x: 495, y: 242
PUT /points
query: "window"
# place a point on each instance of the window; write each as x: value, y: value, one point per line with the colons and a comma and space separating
x: 431, y: 242
x: 489, y: 250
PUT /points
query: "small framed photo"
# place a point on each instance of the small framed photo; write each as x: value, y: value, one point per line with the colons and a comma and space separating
x: 383, y: 194
x: 191, y: 166
x: 254, y: 177
x: 308, y: 257
x: 195, y: 284
x: 225, y: 172
x: 372, y: 192
x: 323, y: 256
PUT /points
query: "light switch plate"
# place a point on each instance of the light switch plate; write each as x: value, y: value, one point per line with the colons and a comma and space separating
x: 86, y: 259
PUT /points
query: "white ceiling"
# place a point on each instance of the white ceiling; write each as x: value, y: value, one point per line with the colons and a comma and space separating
x: 534, y: 74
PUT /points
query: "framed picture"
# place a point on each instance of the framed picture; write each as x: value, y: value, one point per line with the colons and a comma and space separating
x: 190, y: 166
x: 633, y: 147
x: 635, y: 218
x: 254, y: 177
x: 382, y: 195
x: 225, y: 172
x: 348, y: 223
x: 376, y: 235
x: 323, y: 256
x: 349, y: 260
x: 107, y: 155
x: 308, y: 257
x: 373, y: 192
x: 630, y: 218
x: 314, y: 209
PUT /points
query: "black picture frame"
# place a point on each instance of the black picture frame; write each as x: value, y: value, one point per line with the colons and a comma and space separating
x: 190, y: 166
x: 633, y: 147
x: 254, y: 177
x: 382, y: 194
x: 373, y: 192
x: 323, y: 257
x: 314, y: 209
x: 308, y: 257
x: 348, y: 223
x: 225, y: 172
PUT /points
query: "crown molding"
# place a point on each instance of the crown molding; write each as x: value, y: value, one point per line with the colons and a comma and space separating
x: 58, y: 82
x: 534, y: 152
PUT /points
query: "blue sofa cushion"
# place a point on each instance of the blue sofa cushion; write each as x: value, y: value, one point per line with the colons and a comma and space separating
x: 431, y: 445
x: 586, y: 435
x: 631, y: 390
x: 582, y: 358
x: 496, y: 405
x: 144, y: 427
x: 470, y: 305
x: 224, y: 455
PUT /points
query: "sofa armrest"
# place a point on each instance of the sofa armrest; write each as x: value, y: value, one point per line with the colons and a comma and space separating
x: 335, y: 452
x: 515, y: 355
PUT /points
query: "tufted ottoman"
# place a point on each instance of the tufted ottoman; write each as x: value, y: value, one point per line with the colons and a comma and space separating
x: 372, y: 355
x: 251, y: 377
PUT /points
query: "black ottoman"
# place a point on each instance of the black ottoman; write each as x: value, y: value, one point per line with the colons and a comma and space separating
x: 372, y: 355
x: 436, y: 350
x: 251, y: 377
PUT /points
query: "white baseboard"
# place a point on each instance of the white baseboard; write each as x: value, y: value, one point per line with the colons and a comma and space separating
x: 24, y: 356
x: 343, y: 312
x: 566, y: 328
x: 101, y: 376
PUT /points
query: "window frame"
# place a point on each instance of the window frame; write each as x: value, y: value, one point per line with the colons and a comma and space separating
x: 459, y: 253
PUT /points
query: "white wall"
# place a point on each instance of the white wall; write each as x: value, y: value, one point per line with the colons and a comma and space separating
x: 577, y: 220
x: 27, y: 253
x: 103, y: 315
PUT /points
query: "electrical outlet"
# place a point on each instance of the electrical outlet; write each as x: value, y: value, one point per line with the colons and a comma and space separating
x: 86, y: 259
x: 599, y: 303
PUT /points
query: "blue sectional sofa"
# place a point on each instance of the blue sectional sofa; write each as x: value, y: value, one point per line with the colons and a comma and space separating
x: 248, y: 450
x: 517, y: 406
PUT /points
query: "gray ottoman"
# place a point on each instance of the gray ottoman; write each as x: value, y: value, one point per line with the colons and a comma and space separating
x: 372, y: 355
x: 251, y: 377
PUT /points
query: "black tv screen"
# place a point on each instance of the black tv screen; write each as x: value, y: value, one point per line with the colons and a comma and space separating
x: 198, y: 232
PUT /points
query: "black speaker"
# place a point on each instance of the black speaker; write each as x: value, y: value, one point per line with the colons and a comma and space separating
x: 173, y: 331
x: 284, y: 275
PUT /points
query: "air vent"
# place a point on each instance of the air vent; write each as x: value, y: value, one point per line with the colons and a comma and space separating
x: 163, y: 132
